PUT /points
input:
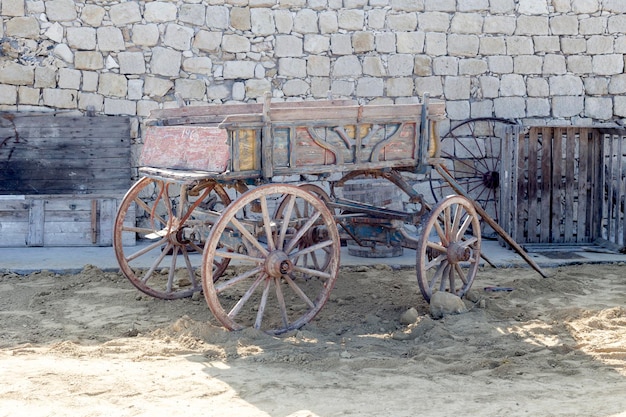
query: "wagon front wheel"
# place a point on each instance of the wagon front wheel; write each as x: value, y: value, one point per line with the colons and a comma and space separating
x: 448, y: 251
x: 266, y: 287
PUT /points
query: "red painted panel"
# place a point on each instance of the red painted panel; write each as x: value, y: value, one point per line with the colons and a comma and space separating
x: 186, y: 147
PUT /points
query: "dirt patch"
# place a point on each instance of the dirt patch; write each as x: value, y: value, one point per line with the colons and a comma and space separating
x: 91, y: 344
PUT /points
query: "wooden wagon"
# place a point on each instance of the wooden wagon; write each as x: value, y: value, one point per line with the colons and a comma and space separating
x: 257, y: 192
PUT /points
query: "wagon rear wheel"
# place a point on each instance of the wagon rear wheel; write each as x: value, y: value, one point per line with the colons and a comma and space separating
x: 267, y: 288
x: 448, y: 251
x: 170, y: 223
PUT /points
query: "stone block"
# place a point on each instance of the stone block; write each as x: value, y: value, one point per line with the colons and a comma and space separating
x: 110, y: 39
x: 342, y: 88
x: 489, y: 86
x: 61, y: 10
x: 316, y: 44
x: 410, y: 42
x: 131, y: 63
x: 135, y: 89
x: 532, y: 25
x: 90, y: 100
x: 567, y: 106
x: 600, y: 108
x: 564, y: 25
x: 385, y: 42
x: 440, y: 5
x: 44, y: 77
x: 347, y: 66
x: 235, y: 43
x: 402, y: 22
x: 194, y: 14
x: 351, y: 19
x: 198, y: 65
x: 500, y: 64
x: 8, y: 95
x: 157, y: 87
x: 502, y: 6
x: 519, y: 45
x: 318, y: 66
x: 144, y: 107
x: 463, y: 45
x: 22, y: 27
x: 239, y: 70
x: 431, y: 85
x: 283, y: 20
x: 320, y: 87
x: 585, y: 6
x: 423, y: 66
x: 145, y: 35
x: 510, y: 107
x: 363, y: 42
x: 111, y: 84
x: 25, y: 95
x: 257, y: 88
x: 207, y: 41
x: 125, y: 13
x: 458, y: 110
x: 92, y: 15
x: 467, y: 23
x: 608, y: 64
x: 83, y: 38
x: 554, y: 64
x: 120, y: 107
x: 547, y: 44
x: 60, y: 99
x: 617, y: 24
x: 617, y: 84
x: 400, y: 65
x: 445, y: 65
x: 165, y: 61
x: 190, y: 89
x: 571, y: 46
x: 537, y: 107
x: 399, y: 87
x: 262, y: 22
x: 565, y: 85
x: 593, y: 25
x: 69, y: 78
x: 370, y: 87
x: 596, y: 86
x: 539, y: 7
x: 619, y: 106
x: 289, y: 46
x: 17, y: 74
x: 55, y: 32
x: 457, y: 88
x: 537, y: 87
x: 160, y: 12
x: 295, y: 88
x: 499, y: 25
x: 178, y: 37
x: 598, y: 45
x: 495, y: 45
x: 376, y: 19
x: 512, y: 85
x: 434, y: 21
x: 527, y: 64
x: 328, y: 22
x: 473, y: 66
x: 341, y: 44
x: 404, y: 5
x: 436, y: 44
x: 305, y: 21
x: 12, y: 8
x: 373, y: 66
x: 482, y: 108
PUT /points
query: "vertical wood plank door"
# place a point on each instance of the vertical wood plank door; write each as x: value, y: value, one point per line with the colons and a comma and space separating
x: 570, y: 185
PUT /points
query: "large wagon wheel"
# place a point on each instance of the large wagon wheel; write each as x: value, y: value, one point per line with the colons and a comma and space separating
x: 269, y: 290
x: 171, y: 223
x: 319, y: 259
x: 448, y: 251
x: 472, y: 154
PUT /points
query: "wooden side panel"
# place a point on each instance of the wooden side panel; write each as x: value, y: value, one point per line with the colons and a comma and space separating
x: 43, y: 154
x: 199, y: 148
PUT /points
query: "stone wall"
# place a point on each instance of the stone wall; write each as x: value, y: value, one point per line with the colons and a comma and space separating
x: 560, y: 61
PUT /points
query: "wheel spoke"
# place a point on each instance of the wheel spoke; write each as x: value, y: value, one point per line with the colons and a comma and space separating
x: 227, y: 284
x: 312, y: 248
x: 466, y: 224
x: 305, y: 228
x: 157, y: 262
x: 246, y: 296
x: 299, y: 291
x: 444, y: 276
x: 190, y: 270
x: 442, y: 235
x: 461, y: 274
x: 291, y: 200
x: 281, y: 303
x: 248, y: 236
x: 145, y: 250
x: 262, y: 304
x: 239, y: 256
x: 172, y: 271
x: 314, y: 272
x: 439, y: 273
x: 267, y: 223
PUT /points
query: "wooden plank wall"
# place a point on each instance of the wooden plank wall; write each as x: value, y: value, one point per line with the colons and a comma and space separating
x: 61, y: 179
x: 565, y: 185
x: 44, y: 154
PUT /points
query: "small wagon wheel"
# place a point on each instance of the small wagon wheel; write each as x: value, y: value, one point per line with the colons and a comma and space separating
x: 269, y: 290
x: 472, y: 150
x: 318, y: 259
x: 448, y: 250
x: 175, y: 221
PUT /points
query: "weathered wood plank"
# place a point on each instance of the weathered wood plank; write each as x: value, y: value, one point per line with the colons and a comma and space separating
x: 37, y: 221
x: 556, y: 182
x: 546, y: 173
x: 533, y: 185
x: 571, y: 186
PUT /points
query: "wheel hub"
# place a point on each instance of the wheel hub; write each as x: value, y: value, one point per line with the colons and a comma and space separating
x: 277, y: 264
x: 491, y: 179
x: 457, y: 253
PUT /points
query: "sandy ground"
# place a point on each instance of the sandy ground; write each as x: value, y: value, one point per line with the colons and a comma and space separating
x: 90, y: 344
